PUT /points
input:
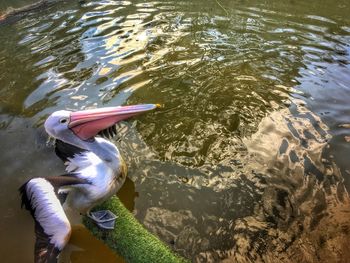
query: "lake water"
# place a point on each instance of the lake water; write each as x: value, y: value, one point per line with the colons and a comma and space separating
x: 248, y: 161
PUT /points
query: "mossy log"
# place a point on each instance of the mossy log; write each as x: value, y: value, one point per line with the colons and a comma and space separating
x: 14, y: 14
x: 130, y: 239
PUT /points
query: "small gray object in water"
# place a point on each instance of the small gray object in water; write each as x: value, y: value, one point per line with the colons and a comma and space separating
x: 104, y: 218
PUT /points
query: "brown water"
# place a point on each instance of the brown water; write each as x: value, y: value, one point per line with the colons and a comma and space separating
x: 248, y: 160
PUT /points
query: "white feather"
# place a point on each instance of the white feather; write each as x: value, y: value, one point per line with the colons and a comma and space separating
x: 100, y: 174
x: 81, y: 161
x: 48, y: 211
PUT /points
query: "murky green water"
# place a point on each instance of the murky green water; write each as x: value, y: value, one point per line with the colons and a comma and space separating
x: 248, y: 160
x: 6, y: 5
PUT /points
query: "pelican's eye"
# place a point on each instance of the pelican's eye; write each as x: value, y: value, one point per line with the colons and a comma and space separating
x: 63, y: 120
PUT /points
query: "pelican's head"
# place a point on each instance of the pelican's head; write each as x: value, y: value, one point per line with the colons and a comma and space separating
x: 86, y: 124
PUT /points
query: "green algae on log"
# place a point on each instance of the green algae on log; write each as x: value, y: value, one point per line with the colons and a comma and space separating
x: 129, y: 238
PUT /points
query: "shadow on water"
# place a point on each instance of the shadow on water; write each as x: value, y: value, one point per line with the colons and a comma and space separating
x: 247, y: 161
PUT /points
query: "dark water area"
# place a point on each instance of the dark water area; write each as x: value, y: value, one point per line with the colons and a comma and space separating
x: 248, y: 159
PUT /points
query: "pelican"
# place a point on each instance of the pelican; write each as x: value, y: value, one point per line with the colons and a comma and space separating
x: 95, y: 171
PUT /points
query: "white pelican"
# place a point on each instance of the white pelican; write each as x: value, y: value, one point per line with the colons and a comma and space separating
x: 95, y: 172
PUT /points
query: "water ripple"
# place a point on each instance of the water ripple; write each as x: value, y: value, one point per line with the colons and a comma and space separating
x: 244, y: 161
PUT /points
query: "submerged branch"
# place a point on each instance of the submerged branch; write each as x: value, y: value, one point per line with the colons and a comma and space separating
x: 222, y: 7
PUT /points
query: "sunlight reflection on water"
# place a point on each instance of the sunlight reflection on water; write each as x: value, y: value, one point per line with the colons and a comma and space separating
x: 248, y: 159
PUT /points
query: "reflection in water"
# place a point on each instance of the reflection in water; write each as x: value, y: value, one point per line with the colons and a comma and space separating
x: 83, y: 247
x: 247, y: 161
x: 282, y: 200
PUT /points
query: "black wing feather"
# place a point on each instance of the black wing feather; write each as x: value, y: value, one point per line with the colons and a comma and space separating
x: 25, y: 199
x: 64, y: 150
x: 44, y: 251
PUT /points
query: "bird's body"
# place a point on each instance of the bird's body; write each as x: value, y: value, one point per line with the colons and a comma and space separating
x: 95, y: 171
x: 104, y: 177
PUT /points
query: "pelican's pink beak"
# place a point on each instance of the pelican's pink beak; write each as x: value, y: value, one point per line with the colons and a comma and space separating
x: 88, y: 123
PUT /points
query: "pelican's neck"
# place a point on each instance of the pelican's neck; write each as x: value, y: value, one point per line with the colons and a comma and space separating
x: 105, y: 150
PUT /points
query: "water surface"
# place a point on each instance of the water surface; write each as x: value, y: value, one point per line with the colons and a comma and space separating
x: 246, y: 162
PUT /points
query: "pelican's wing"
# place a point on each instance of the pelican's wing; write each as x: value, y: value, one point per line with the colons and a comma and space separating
x: 44, y: 251
x: 65, y: 150
x: 52, y: 228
